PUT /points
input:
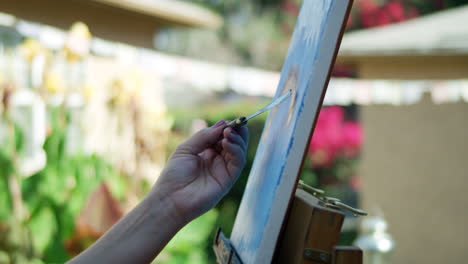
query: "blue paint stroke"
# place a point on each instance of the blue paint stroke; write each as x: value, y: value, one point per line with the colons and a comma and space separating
x: 277, y: 138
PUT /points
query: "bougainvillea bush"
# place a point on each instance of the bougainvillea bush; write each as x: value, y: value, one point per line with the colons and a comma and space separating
x: 333, y: 137
x: 333, y: 153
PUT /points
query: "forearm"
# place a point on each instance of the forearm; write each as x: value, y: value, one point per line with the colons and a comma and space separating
x: 139, y: 236
x: 198, y: 174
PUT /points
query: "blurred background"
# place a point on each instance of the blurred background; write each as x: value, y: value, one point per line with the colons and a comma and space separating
x: 96, y: 94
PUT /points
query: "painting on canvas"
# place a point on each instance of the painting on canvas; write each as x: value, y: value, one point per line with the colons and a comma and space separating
x: 286, y: 134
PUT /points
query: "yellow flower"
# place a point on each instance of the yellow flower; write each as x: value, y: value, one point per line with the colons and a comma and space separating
x: 78, y: 42
x: 88, y: 91
x: 54, y: 83
x: 30, y: 48
x: 118, y: 96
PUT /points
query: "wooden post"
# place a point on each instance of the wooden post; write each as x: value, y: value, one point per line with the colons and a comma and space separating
x: 311, y: 232
x: 347, y: 255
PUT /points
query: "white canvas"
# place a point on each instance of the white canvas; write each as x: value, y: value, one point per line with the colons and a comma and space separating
x: 275, y: 171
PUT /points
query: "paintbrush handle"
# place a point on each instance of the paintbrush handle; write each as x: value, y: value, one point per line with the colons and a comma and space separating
x: 238, y: 122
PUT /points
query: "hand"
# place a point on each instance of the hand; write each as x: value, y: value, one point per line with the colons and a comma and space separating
x: 197, y: 176
x: 203, y: 169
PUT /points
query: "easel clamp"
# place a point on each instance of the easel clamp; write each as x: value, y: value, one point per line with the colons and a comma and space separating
x: 224, y: 251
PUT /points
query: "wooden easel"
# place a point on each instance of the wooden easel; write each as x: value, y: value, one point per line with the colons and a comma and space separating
x: 310, y: 234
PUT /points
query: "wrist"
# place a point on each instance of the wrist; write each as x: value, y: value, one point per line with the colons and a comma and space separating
x: 159, y: 203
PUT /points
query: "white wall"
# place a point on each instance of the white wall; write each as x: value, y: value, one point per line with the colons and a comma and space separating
x: 415, y: 167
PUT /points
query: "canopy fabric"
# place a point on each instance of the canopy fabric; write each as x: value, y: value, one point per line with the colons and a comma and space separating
x: 441, y: 33
x: 176, y: 12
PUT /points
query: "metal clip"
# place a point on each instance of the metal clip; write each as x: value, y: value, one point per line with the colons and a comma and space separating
x: 353, y: 210
x: 314, y: 191
x: 331, y: 202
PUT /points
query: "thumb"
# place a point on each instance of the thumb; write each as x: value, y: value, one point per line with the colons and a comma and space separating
x: 203, y: 139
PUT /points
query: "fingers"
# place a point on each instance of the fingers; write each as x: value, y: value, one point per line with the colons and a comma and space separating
x: 209, y: 154
x: 218, y: 147
x: 234, y: 153
x: 234, y: 136
x: 211, y: 137
x: 237, y: 137
x: 244, y: 133
x: 203, y: 139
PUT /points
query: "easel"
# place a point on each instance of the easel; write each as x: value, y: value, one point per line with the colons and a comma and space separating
x: 303, y: 228
x: 310, y: 235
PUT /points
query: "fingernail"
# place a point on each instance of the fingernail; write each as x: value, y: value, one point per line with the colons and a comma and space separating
x: 220, y: 123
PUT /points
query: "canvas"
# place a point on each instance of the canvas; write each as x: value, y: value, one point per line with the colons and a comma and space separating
x: 287, y: 131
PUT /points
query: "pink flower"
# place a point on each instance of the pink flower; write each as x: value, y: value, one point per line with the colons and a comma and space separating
x: 367, y: 12
x: 396, y: 11
x: 333, y: 136
x: 352, y: 138
x: 382, y: 18
x: 367, y: 6
x: 327, y: 138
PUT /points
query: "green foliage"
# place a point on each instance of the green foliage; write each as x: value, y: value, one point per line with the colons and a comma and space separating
x: 309, y: 176
x: 5, y: 197
x: 53, y: 197
x: 189, y: 245
x: 253, y: 33
x: 56, y: 195
x: 426, y: 7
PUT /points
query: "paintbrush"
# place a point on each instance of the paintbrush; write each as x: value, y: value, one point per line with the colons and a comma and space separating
x: 241, y: 121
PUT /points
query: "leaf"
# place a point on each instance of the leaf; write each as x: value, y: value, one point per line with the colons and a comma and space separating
x: 43, y: 228
x: 192, y: 239
x: 5, y: 198
x: 56, y: 252
x: 19, y: 138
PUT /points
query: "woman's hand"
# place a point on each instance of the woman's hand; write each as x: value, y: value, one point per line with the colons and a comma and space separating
x: 203, y: 169
x: 197, y: 176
